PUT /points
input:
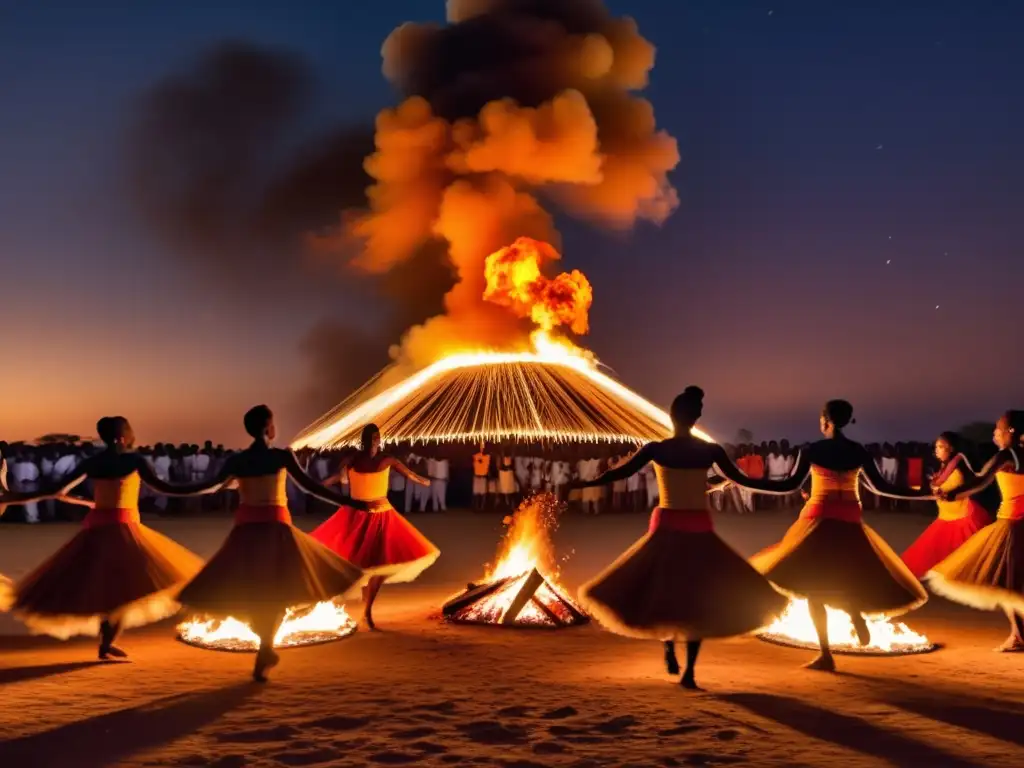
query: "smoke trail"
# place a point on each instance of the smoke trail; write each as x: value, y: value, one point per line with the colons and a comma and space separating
x: 218, y: 168
x: 512, y: 101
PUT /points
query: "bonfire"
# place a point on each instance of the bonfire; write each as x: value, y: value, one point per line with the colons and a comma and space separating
x: 521, y: 589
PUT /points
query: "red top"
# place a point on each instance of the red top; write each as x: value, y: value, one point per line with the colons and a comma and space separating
x: 915, y: 471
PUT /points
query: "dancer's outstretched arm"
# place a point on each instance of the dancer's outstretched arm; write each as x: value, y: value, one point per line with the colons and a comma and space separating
x: 883, y: 487
x: 1005, y: 459
x: 724, y: 466
x: 49, y: 490
x: 404, y: 471
x: 312, y: 487
x: 164, y: 488
x: 636, y: 462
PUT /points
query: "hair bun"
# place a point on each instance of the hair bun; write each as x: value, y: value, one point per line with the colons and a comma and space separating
x: 694, y: 393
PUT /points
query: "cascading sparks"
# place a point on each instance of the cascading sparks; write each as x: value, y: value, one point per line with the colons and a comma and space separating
x: 794, y: 627
x: 322, y: 623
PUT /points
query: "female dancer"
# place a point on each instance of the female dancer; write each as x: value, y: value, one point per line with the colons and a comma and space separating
x: 829, y: 556
x: 267, y: 565
x: 957, y: 521
x: 115, y: 573
x: 680, y: 580
x: 988, y: 570
x: 377, y: 539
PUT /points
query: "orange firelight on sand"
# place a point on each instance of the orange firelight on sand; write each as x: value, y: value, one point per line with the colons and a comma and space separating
x: 521, y: 589
x: 515, y: 280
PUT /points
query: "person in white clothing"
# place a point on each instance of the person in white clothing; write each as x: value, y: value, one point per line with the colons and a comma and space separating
x: 161, y: 468
x: 587, y: 470
x: 437, y: 471
x: 651, y: 485
x: 777, y: 467
x: 536, y: 475
x: 25, y: 479
x: 396, y: 487
x: 633, y: 491
x: 522, y: 468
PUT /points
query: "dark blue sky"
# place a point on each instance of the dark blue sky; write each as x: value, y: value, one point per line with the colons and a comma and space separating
x: 849, y: 226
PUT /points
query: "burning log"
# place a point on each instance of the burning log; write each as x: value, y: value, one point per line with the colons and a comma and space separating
x: 518, y: 592
x: 527, y: 600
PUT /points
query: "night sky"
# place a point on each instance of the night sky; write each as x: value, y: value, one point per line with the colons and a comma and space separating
x: 849, y: 223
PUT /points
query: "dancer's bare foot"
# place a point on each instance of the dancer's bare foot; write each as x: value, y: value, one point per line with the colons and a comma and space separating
x: 265, y: 661
x: 688, y: 682
x: 1011, y: 645
x: 111, y: 651
x: 824, y: 663
x: 860, y: 626
x: 368, y: 621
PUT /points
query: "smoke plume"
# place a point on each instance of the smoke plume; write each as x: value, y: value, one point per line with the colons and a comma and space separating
x: 511, y: 103
x: 220, y: 169
x: 512, y: 109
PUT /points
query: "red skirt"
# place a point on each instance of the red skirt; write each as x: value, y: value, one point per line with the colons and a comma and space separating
x: 942, y: 538
x: 381, y: 542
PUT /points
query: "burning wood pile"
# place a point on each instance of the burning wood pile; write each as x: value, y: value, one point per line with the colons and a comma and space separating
x: 324, y: 622
x: 795, y: 628
x: 522, y: 589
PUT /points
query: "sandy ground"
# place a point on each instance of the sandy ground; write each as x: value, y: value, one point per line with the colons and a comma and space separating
x: 423, y: 693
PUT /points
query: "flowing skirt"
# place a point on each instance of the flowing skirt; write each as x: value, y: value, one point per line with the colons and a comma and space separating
x: 843, y: 564
x: 381, y: 542
x: 942, y: 538
x: 263, y: 568
x: 681, y: 583
x: 122, y: 571
x: 6, y: 593
x: 987, y: 572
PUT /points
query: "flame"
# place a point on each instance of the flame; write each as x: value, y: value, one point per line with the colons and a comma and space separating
x: 325, y: 621
x: 526, y: 546
x: 794, y: 627
x: 515, y: 280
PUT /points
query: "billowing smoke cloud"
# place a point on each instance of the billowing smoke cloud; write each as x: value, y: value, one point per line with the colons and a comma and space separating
x: 510, y: 106
x: 511, y: 102
x: 220, y: 170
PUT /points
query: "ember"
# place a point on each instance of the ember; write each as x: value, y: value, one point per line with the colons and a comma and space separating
x: 312, y: 625
x: 522, y: 589
x: 795, y: 628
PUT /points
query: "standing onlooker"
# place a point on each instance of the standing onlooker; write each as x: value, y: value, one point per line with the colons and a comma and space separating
x: 437, y: 471
x: 481, y: 471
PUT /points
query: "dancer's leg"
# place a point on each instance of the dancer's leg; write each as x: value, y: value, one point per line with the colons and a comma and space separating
x: 692, y: 650
x: 265, y: 628
x: 369, y: 596
x: 824, y: 662
x: 1015, y: 642
x: 671, y: 662
x: 109, y: 630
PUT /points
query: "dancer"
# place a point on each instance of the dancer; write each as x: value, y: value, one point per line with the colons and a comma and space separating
x: 829, y: 556
x: 957, y: 521
x: 266, y: 564
x: 680, y: 580
x: 115, y: 573
x: 987, y: 571
x: 378, y: 539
